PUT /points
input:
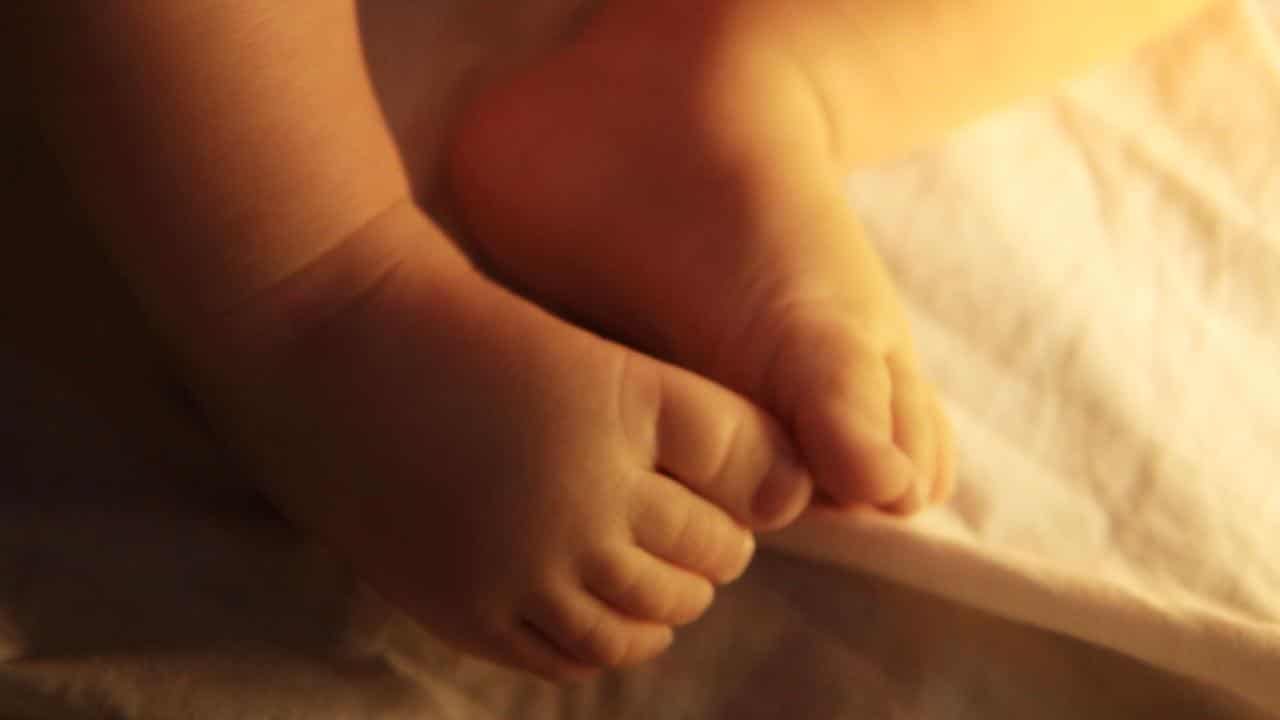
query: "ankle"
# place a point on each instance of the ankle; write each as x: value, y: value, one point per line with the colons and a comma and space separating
x: 255, y: 338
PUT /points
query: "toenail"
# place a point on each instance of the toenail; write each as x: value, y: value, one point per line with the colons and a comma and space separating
x: 913, y: 501
x: 748, y: 552
x: 904, y: 486
x: 919, y: 501
x: 782, y: 487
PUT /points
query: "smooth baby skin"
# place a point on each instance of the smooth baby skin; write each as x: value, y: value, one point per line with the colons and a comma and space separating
x: 667, y: 178
x: 531, y: 492
x: 414, y: 80
x: 674, y: 176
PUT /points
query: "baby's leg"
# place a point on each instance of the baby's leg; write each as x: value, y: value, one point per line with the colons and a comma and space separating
x: 526, y: 489
x: 675, y: 177
x: 895, y: 75
x: 530, y: 492
x: 682, y: 199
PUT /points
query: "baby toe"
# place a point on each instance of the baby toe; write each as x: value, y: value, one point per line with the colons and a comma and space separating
x: 835, y: 394
x: 944, y: 485
x: 644, y: 587
x: 595, y: 634
x: 853, y: 463
x: 914, y: 432
x: 681, y: 528
x: 729, y: 452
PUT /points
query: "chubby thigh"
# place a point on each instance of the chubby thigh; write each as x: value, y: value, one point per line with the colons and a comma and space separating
x: 427, y: 58
x: 65, y: 309
x: 895, y: 75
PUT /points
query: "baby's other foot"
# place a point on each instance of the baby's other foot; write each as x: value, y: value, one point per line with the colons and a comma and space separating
x: 530, y: 492
x: 671, y: 185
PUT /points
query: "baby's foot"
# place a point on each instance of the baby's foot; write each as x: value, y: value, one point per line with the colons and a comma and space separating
x: 529, y: 491
x: 669, y: 180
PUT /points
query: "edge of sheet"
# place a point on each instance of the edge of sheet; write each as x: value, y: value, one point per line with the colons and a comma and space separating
x: 1199, y: 642
x: 1231, y: 653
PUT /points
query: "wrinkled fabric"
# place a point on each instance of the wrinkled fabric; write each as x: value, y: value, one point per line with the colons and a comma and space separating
x: 1094, y: 280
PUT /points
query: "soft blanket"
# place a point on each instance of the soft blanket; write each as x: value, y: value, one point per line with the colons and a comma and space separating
x: 1095, y: 283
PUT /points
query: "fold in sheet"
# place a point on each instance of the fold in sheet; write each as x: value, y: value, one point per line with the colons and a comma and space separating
x: 1095, y: 279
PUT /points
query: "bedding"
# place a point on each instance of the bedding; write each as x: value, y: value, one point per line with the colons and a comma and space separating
x: 1094, y: 280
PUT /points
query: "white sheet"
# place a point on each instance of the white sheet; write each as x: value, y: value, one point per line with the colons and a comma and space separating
x: 1095, y: 281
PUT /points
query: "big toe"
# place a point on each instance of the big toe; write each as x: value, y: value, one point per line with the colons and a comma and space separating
x: 916, y: 431
x: 858, y: 424
x: 726, y: 450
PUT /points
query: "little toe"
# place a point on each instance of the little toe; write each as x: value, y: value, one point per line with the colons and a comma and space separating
x: 944, y: 486
x: 854, y: 462
x: 729, y: 452
x: 594, y: 634
x: 829, y: 383
x: 644, y: 587
x: 915, y: 432
x: 681, y: 528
